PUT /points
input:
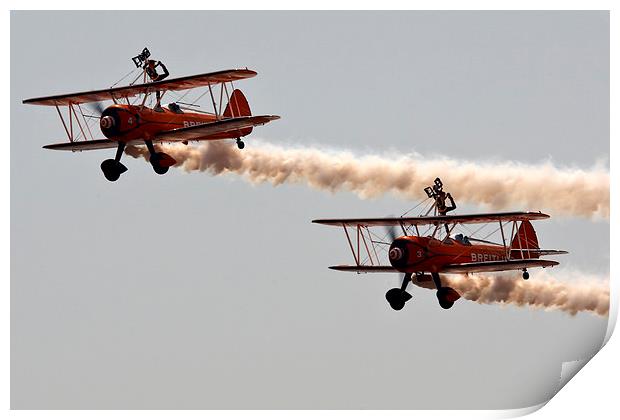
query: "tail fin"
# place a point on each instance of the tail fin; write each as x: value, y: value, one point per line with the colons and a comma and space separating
x: 237, y: 106
x: 525, y: 239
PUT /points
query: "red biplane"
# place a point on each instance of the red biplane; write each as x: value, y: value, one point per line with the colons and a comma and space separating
x: 134, y: 123
x: 429, y: 244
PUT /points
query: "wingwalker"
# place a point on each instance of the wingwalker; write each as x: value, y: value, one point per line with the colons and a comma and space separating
x: 128, y: 122
x: 430, y: 244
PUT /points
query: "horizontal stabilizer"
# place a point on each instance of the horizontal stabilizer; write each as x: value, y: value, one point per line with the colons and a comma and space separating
x: 541, y: 252
x: 486, y: 266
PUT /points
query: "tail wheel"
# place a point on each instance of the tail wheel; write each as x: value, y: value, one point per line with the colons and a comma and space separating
x: 526, y: 275
x: 240, y: 143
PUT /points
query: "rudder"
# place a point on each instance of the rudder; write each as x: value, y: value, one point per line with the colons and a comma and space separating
x: 238, y: 106
x: 525, y: 239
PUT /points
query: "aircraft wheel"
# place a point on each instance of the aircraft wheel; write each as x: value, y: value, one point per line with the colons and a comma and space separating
x: 240, y: 144
x: 160, y: 169
x: 445, y: 304
x: 161, y: 162
x: 397, y: 298
x: 526, y: 275
x: 112, y: 169
x: 446, y: 296
x: 112, y: 176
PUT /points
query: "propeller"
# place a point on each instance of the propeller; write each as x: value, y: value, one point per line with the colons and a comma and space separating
x: 97, y: 107
x: 392, y: 234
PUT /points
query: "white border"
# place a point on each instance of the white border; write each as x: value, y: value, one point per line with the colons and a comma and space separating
x: 593, y: 392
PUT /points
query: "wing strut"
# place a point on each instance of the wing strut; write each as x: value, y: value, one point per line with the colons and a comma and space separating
x: 501, y: 228
x: 73, y: 115
x: 363, y: 242
x: 69, y: 135
x: 355, y: 257
x: 217, y: 115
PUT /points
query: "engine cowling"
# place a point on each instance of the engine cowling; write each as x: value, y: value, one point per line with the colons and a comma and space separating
x: 405, y: 252
x: 117, y: 121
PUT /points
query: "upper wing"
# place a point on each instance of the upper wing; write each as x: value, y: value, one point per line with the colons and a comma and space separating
x: 199, y: 132
x: 479, y: 267
x: 435, y: 220
x: 179, y: 83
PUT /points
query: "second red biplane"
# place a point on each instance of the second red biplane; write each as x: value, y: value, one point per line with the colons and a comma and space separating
x: 125, y: 123
x: 429, y: 245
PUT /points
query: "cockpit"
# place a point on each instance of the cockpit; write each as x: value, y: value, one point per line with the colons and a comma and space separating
x: 174, y: 107
x: 463, y: 240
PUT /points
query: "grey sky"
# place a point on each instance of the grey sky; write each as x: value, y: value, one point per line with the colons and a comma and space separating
x: 191, y: 291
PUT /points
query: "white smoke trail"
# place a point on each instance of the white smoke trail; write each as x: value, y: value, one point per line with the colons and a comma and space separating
x: 560, y: 290
x: 561, y: 191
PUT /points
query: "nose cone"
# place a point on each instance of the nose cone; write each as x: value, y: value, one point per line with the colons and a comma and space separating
x: 406, y: 252
x: 106, y: 122
x: 396, y: 254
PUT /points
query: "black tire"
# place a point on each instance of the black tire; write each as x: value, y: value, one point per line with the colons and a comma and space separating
x: 112, y: 176
x: 240, y: 144
x: 155, y: 159
x: 397, y: 298
x: 442, y: 294
x: 397, y: 305
x: 160, y: 169
x: 526, y: 275
x: 445, y: 304
x: 110, y: 170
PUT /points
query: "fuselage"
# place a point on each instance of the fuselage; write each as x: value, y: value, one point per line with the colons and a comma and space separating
x: 412, y: 254
x: 123, y: 122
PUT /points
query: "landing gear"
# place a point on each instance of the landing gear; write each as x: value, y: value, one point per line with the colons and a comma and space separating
x: 113, y: 168
x: 398, y: 297
x: 446, y: 296
x: 240, y: 143
x: 526, y: 275
x: 160, y: 161
x: 157, y: 167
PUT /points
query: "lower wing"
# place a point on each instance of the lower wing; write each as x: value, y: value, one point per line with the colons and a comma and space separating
x: 477, y: 267
x: 365, y: 268
x: 196, y: 132
x: 78, y: 146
